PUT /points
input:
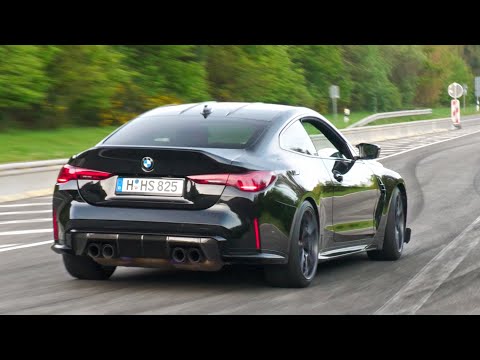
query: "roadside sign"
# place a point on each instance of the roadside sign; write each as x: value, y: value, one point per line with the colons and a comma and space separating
x: 455, y: 112
x: 477, y: 86
x: 334, y: 92
x: 455, y: 90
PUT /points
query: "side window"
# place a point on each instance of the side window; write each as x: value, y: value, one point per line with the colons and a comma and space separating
x: 326, y: 143
x: 296, y: 138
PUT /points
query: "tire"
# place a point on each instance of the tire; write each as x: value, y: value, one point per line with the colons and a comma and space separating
x: 394, y: 239
x: 303, y: 255
x: 84, y: 268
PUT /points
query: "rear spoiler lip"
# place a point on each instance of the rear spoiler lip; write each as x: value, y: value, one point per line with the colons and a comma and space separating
x: 204, y: 151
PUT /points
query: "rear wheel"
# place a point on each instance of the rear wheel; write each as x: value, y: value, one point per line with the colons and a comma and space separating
x: 83, y: 267
x: 394, y: 231
x: 303, y: 257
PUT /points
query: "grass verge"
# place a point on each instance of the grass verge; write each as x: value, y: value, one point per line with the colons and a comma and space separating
x: 26, y: 145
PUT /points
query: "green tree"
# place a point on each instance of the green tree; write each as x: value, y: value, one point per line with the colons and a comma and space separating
x: 372, y: 89
x: 256, y: 73
x: 471, y: 55
x: 23, y: 81
x: 323, y: 66
x: 102, y: 84
x: 168, y: 70
x: 85, y: 78
x: 444, y: 65
x: 405, y: 63
x: 461, y: 73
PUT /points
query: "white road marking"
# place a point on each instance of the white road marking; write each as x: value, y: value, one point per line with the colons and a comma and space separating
x: 7, y: 245
x: 24, y: 205
x: 25, y: 221
x: 23, y: 232
x: 26, y: 245
x: 422, y: 146
x: 25, y: 212
x: 413, y: 295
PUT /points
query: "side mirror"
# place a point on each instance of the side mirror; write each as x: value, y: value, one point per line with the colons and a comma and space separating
x: 368, y: 151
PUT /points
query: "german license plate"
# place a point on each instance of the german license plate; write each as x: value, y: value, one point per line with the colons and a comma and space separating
x: 142, y: 186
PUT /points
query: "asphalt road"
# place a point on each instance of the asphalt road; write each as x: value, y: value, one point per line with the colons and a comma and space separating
x: 438, y: 273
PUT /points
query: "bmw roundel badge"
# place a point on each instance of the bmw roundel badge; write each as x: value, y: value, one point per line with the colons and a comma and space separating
x: 147, y: 164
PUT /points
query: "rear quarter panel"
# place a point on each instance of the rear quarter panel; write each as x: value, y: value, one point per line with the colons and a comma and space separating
x: 390, y: 180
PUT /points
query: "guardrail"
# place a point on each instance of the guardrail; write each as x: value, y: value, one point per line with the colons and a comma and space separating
x: 371, y: 134
x: 386, y: 115
x: 31, y: 167
x: 32, y: 164
x: 394, y: 131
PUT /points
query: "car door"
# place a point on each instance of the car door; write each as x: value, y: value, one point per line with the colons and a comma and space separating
x: 356, y: 189
x: 309, y: 174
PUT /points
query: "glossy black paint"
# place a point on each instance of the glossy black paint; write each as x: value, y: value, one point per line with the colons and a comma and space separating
x: 350, y: 195
x: 125, y: 162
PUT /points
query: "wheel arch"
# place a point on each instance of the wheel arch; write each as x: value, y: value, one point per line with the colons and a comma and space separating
x: 391, y: 184
x: 317, y: 210
x: 403, y: 193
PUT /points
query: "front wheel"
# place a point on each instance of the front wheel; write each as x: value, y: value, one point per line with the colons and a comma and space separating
x: 394, y: 232
x: 303, y: 257
x: 85, y: 268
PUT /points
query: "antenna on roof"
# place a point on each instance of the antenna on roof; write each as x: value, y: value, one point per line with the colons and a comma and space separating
x: 206, y: 111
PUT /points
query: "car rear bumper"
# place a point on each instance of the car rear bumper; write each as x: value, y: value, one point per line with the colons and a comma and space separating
x: 224, y: 233
x: 156, y: 250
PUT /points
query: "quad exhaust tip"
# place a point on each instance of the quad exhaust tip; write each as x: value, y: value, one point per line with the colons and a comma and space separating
x: 93, y: 250
x: 96, y: 250
x: 108, y: 251
x: 178, y: 255
x: 194, y: 255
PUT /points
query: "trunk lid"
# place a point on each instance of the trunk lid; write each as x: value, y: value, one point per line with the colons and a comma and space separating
x: 168, y: 163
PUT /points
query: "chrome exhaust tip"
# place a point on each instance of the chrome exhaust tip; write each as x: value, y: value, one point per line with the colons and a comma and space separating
x: 178, y: 255
x: 108, y: 251
x: 194, y: 255
x: 93, y: 250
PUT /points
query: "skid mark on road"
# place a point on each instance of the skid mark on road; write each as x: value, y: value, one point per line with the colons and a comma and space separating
x: 411, y: 297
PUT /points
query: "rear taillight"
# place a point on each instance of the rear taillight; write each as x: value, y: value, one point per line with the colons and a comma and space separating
x: 69, y: 172
x: 252, y: 181
x: 55, y: 225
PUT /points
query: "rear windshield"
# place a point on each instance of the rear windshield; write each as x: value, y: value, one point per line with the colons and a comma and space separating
x: 229, y: 133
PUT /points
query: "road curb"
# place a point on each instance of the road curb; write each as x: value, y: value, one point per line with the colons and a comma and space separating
x: 26, y: 195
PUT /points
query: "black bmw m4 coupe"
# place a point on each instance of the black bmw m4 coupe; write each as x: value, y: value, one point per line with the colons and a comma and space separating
x: 201, y: 186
